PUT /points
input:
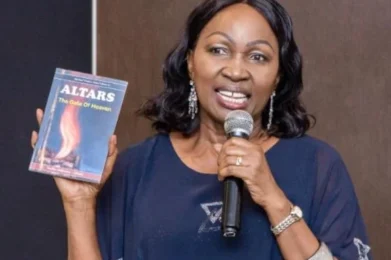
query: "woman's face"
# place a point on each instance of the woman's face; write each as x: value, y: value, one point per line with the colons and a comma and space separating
x: 235, y: 63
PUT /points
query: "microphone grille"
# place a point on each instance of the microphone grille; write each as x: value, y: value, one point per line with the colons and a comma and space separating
x: 238, y: 120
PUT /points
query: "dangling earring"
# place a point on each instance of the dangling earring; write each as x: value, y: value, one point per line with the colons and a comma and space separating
x: 269, y: 125
x: 193, y: 105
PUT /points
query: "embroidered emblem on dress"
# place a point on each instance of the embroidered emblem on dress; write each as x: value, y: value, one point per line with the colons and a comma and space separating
x: 213, y: 221
x: 362, y: 248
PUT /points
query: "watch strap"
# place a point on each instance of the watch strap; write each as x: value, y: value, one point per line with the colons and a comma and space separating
x: 287, y: 222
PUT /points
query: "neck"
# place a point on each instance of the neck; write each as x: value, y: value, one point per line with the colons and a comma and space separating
x: 212, y: 132
x: 199, y: 151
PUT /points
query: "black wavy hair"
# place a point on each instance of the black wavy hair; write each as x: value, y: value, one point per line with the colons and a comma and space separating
x: 169, y: 110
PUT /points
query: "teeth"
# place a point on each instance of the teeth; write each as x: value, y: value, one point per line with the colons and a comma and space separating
x: 226, y: 93
x: 232, y: 94
x: 234, y: 100
x: 239, y: 95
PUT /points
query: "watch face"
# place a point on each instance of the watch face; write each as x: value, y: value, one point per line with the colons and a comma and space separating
x: 297, y: 212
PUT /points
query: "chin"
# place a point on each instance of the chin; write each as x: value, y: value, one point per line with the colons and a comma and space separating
x: 218, y: 114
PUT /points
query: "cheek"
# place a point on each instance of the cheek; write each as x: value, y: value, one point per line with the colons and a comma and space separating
x: 265, y: 80
x: 205, y: 68
x: 265, y: 83
x: 266, y: 76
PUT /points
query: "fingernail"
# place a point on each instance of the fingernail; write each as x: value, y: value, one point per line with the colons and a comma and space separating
x: 115, y: 139
x: 217, y: 147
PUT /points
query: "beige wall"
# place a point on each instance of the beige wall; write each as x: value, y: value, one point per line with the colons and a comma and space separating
x: 347, y: 52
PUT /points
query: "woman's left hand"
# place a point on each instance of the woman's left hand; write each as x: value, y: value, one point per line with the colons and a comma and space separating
x: 242, y: 159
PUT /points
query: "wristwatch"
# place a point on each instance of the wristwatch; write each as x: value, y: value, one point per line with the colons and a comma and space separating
x: 295, y: 215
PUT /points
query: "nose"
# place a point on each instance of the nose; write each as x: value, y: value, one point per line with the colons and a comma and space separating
x: 235, y: 70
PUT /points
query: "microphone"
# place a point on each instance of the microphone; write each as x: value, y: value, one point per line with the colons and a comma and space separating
x: 238, y: 123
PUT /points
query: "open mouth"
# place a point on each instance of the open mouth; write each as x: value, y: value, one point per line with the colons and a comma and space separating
x: 233, y: 97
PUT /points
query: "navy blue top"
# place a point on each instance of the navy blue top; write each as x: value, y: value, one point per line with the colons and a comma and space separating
x: 155, y: 207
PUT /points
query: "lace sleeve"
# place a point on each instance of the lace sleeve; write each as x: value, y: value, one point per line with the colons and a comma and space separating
x: 337, y: 218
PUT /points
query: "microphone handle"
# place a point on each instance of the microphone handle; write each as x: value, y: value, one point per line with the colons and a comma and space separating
x: 233, y: 188
x: 232, y: 204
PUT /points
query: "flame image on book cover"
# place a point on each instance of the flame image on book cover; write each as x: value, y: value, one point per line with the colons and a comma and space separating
x: 67, y: 156
x: 79, y: 119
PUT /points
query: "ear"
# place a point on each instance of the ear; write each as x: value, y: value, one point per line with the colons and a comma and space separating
x: 190, y: 64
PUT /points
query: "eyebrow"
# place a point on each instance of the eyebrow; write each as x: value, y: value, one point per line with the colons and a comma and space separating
x: 250, y: 44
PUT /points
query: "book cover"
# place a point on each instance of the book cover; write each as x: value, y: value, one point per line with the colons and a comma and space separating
x: 80, y: 116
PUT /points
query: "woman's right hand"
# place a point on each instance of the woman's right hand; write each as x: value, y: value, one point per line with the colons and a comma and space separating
x: 78, y: 193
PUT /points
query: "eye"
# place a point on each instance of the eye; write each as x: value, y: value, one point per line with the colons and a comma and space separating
x: 258, y: 57
x: 218, y: 50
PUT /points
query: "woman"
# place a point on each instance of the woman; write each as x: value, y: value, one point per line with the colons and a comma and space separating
x: 164, y: 198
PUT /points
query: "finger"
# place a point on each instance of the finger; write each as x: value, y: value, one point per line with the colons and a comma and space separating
x: 220, y: 151
x: 233, y: 151
x: 231, y: 171
x: 112, y: 144
x: 108, y: 169
x: 218, y: 147
x: 234, y: 160
x: 60, y: 180
x: 233, y: 146
x: 236, y: 150
x: 237, y: 146
x: 34, y: 138
x: 111, y: 157
x: 236, y: 141
x: 39, y: 115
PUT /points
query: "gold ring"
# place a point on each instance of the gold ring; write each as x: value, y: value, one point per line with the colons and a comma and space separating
x: 239, y: 160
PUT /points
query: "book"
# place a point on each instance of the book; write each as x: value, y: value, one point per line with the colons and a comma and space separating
x: 80, y: 116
